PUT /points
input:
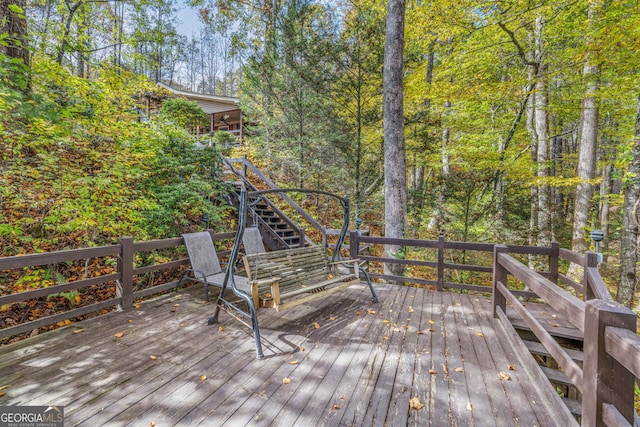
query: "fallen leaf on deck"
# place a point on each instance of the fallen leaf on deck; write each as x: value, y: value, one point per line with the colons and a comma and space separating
x: 332, y: 318
x: 469, y: 406
x: 414, y: 403
x: 410, y: 309
x: 341, y: 397
x: 301, y: 348
x: 316, y: 325
x: 119, y: 335
x: 358, y: 313
x: 220, y: 328
x: 385, y: 337
x: 369, y: 311
x: 479, y: 334
x: 555, y: 325
x: 293, y: 362
x: 129, y: 321
x: 385, y: 321
x: 431, y: 330
x: 504, y: 376
x: 459, y: 369
x: 153, y: 357
x: 152, y: 424
x: 286, y: 380
x: 431, y: 322
x: 336, y: 406
x: 137, y: 305
x: 330, y: 276
x: 511, y: 367
x: 77, y: 331
x: 432, y: 371
x: 176, y: 305
x: 203, y: 377
x: 2, y: 393
x: 405, y: 327
x: 396, y: 329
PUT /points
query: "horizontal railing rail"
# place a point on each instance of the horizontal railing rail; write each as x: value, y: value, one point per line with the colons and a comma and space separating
x: 122, y: 278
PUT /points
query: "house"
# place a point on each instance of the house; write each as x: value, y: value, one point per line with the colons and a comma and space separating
x: 223, y: 111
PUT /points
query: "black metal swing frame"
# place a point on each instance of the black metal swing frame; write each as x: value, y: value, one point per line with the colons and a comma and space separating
x: 256, y: 196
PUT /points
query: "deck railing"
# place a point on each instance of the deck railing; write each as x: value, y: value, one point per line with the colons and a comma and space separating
x: 611, y: 346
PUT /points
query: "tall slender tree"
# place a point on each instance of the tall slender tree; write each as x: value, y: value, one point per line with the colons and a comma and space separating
x: 395, y: 170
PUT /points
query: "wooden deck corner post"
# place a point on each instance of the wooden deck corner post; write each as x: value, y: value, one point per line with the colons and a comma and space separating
x: 499, y: 276
x: 354, y: 251
x: 124, y: 285
x: 554, y: 257
x: 440, y: 263
x: 590, y: 260
x: 302, y: 237
x: 605, y: 379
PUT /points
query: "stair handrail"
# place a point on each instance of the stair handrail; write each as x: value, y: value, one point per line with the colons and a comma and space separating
x: 247, y: 164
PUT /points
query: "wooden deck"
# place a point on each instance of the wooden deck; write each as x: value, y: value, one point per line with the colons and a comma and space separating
x: 348, y: 363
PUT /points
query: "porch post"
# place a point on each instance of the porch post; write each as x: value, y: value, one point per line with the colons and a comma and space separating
x: 605, y: 379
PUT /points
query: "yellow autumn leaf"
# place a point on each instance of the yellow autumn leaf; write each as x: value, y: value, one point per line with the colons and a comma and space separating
x: 414, y: 403
x: 410, y: 309
x: 385, y: 321
x: 286, y: 380
x: 459, y: 369
x: 479, y: 334
x: 431, y: 322
x: 153, y: 357
x: 293, y: 362
x: 504, y: 376
x: 137, y: 305
x: 77, y: 331
x: 119, y: 335
x: 432, y: 371
x: 332, y: 318
x: 203, y: 377
x: 316, y: 325
x: 220, y: 328
x: 369, y: 311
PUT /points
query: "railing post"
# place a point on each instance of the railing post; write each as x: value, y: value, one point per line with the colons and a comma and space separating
x: 605, y: 380
x: 499, y: 276
x: 440, y: 263
x: 302, y: 237
x: 590, y: 260
x: 554, y: 262
x: 354, y: 244
x: 124, y: 286
x: 244, y: 166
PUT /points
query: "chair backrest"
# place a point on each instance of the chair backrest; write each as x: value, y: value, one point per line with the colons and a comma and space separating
x: 202, y: 253
x: 252, y: 241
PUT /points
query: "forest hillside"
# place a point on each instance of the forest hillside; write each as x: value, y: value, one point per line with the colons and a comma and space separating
x: 521, y: 120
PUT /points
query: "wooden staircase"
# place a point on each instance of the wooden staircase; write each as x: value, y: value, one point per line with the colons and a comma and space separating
x: 278, y: 230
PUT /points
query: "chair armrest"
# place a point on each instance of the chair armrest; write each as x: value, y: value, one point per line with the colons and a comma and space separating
x: 254, y: 288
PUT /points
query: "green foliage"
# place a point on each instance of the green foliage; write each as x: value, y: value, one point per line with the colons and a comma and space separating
x: 78, y: 168
x: 184, y: 113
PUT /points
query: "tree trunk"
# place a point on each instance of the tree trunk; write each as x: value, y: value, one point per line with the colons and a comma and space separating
x: 13, y: 23
x: 542, y: 135
x: 629, y: 238
x: 586, y: 153
x: 395, y: 178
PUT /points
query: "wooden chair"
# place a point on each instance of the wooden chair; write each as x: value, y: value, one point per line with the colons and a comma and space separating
x: 205, y: 266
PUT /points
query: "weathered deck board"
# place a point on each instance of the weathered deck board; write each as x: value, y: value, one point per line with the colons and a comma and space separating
x: 356, y: 368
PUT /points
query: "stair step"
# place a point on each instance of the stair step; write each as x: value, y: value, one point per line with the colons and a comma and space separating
x: 538, y: 348
x: 574, y: 406
x: 556, y: 376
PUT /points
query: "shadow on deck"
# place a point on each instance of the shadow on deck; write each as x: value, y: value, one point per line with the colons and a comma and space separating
x: 341, y: 361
